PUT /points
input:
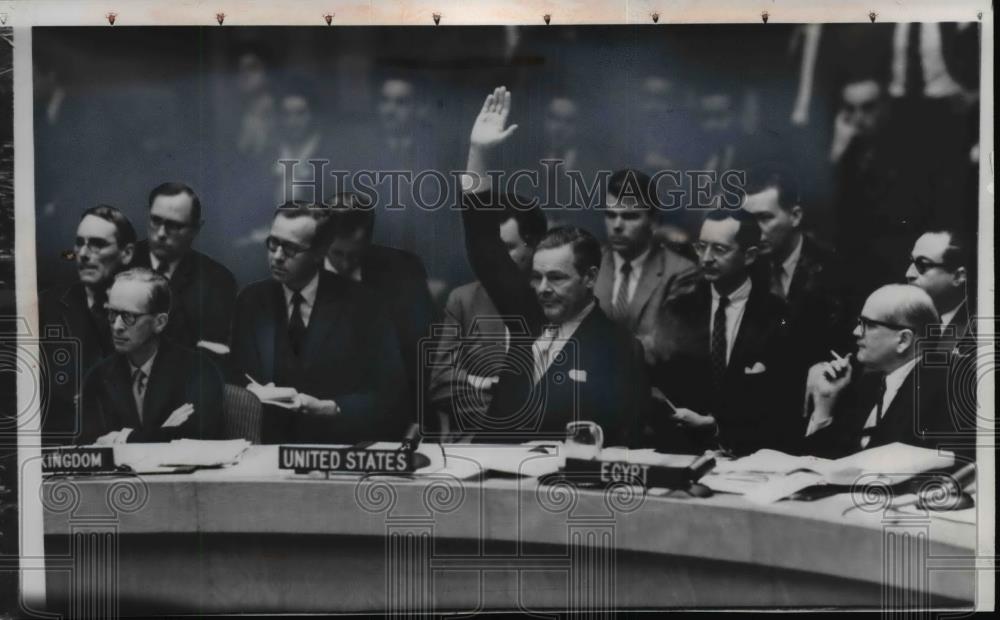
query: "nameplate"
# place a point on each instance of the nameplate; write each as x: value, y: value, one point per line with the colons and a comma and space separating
x: 78, y: 460
x: 607, y: 473
x: 303, y: 459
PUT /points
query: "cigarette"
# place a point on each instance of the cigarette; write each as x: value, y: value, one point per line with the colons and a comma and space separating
x: 251, y: 378
x: 837, y: 357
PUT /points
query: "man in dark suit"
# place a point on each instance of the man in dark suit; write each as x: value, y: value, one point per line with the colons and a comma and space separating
x: 941, y: 265
x: 395, y: 279
x: 150, y: 390
x: 637, y: 275
x: 798, y: 268
x: 893, y: 396
x: 720, y: 353
x: 321, y: 334
x: 474, y: 340
x: 105, y: 244
x: 575, y: 364
x: 204, y: 291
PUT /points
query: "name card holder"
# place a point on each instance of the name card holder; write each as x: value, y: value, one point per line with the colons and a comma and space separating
x: 349, y: 460
x: 605, y: 473
x: 78, y: 460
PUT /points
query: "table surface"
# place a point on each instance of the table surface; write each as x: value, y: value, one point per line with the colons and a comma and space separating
x: 829, y: 536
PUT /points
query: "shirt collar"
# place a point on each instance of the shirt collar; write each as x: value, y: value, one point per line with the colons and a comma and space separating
x: 740, y: 295
x: 793, y: 259
x: 636, y: 262
x: 949, y: 316
x: 147, y: 367
x: 894, y: 380
x: 566, y: 328
x: 308, y: 291
x: 155, y: 263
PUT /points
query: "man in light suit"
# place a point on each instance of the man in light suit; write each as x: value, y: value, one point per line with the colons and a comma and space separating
x: 474, y: 340
x: 637, y: 275
x: 204, y: 291
x: 321, y: 334
x: 575, y: 364
x: 720, y: 353
x: 150, y: 390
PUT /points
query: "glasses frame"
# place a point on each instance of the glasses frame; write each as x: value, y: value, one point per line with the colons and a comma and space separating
x: 864, y: 323
x: 927, y: 263
x: 128, y: 318
x: 289, y: 249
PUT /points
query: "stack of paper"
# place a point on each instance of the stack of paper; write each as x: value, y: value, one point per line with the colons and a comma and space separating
x: 179, y: 454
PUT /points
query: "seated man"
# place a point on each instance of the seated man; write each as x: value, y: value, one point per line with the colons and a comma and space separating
x: 721, y: 354
x: 576, y: 364
x: 150, y: 390
x: 396, y: 280
x: 637, y: 273
x: 105, y: 243
x: 203, y: 290
x: 474, y: 340
x: 940, y: 264
x: 321, y: 334
x: 892, y: 396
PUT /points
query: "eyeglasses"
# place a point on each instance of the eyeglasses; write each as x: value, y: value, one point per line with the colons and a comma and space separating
x: 717, y: 248
x: 172, y: 227
x: 923, y: 264
x: 128, y: 318
x: 865, y: 324
x: 291, y: 250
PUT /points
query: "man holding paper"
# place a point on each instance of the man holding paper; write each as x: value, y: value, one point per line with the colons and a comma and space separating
x: 149, y: 390
x: 314, y: 346
x: 892, y: 396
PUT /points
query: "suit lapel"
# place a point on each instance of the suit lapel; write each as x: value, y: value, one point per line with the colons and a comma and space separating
x: 751, y: 327
x: 183, y: 273
x: 898, y: 418
x: 324, y: 315
x: 652, y: 272
x: 158, y: 388
x: 269, y: 317
x: 119, y: 388
x: 605, y: 281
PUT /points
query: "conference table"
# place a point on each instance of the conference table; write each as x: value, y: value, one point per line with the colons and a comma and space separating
x: 253, y: 538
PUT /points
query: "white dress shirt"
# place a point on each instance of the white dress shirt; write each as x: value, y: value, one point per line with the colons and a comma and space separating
x: 734, y: 313
x: 354, y: 275
x: 937, y: 81
x: 788, y: 267
x: 949, y: 316
x: 633, y: 277
x: 146, y: 369
x: 309, y: 299
x: 553, y: 340
x: 155, y: 264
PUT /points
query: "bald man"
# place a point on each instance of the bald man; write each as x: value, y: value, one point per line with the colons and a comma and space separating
x: 888, y: 394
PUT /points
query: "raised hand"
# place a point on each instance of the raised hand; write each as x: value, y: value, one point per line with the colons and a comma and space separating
x: 489, y: 129
x: 179, y: 416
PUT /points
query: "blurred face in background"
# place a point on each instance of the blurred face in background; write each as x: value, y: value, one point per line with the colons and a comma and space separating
x: 397, y: 106
x: 296, y: 117
x: 98, y: 254
x: 716, y: 113
x: 863, y: 106
x: 251, y: 76
x: 171, y: 226
x: 347, y: 250
x: 560, y: 127
x: 629, y: 227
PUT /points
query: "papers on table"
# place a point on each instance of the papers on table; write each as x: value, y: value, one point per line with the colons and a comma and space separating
x: 767, y: 476
x: 180, y: 454
x: 536, y: 460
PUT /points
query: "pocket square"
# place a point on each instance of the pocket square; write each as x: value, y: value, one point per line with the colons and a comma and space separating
x: 579, y: 376
x: 756, y: 369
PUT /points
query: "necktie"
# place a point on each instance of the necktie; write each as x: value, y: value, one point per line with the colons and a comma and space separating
x: 163, y: 268
x: 777, y: 286
x: 296, y: 324
x: 914, y: 69
x: 541, y: 348
x: 621, y: 299
x: 866, y: 433
x: 139, y: 389
x: 718, y: 352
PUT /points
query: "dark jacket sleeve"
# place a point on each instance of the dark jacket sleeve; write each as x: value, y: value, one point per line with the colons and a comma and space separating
x: 239, y: 362
x: 503, y: 281
x: 216, y: 304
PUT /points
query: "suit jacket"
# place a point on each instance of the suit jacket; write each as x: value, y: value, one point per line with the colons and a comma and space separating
x: 350, y: 355
x: 755, y: 406
x: 67, y: 325
x: 917, y: 415
x: 178, y: 376
x: 204, y: 293
x: 665, y: 274
x: 472, y: 339
x: 599, y: 378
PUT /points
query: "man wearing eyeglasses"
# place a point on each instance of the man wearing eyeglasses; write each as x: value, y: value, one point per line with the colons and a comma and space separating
x: 720, y: 353
x: 150, y: 389
x: 321, y: 334
x: 204, y: 291
x: 890, y: 397
x: 104, y: 245
x: 939, y: 264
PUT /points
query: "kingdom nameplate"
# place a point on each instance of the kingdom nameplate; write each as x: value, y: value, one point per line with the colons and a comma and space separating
x: 304, y: 459
x: 78, y: 460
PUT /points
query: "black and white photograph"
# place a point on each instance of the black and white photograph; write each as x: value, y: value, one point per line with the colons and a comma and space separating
x: 545, y: 315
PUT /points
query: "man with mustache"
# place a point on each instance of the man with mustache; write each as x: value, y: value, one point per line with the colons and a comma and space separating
x: 320, y: 333
x: 637, y: 274
x: 575, y: 364
x: 104, y: 246
x: 720, y: 353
